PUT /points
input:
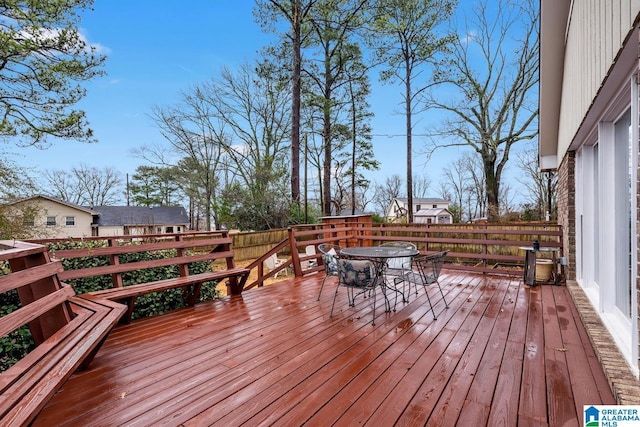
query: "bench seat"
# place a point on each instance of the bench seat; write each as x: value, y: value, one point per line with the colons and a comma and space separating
x: 128, y: 294
x: 28, y: 385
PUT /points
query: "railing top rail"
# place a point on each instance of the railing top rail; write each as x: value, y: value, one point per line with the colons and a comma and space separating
x: 10, y: 249
x: 127, y: 237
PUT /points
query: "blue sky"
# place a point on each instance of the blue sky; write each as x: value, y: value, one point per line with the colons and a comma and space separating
x: 156, y: 50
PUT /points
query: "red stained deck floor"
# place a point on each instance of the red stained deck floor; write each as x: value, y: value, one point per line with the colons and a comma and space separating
x: 501, y: 354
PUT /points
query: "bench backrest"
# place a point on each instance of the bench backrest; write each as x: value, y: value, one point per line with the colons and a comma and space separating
x: 44, y: 299
x: 188, y: 250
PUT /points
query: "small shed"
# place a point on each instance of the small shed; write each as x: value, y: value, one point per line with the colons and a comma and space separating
x: 433, y: 216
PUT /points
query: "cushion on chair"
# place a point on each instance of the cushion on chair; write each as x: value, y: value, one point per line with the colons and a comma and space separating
x: 330, y: 262
x: 356, y: 273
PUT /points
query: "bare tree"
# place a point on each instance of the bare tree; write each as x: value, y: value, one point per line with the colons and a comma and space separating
x: 405, y: 37
x: 476, y: 191
x: 253, y: 103
x: 230, y: 134
x: 195, y: 137
x: 539, y: 188
x: 385, y: 193
x: 421, y: 184
x: 454, y: 183
x: 493, y: 69
x: 86, y: 186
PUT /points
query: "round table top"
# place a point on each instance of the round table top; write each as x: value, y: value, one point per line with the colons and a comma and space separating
x: 540, y: 249
x: 379, y: 252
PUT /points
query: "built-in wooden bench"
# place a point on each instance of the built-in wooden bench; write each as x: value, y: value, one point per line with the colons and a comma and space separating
x: 67, y: 330
x: 189, y: 250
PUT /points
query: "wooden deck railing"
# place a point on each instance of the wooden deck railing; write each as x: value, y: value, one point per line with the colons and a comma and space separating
x: 484, y: 248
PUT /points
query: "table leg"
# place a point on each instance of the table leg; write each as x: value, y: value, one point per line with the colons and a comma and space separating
x: 530, y: 268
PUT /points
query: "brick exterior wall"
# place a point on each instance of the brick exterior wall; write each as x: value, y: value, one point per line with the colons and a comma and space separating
x: 637, y: 82
x: 567, y: 211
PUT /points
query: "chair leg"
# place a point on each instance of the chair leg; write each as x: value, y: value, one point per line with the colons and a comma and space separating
x: 322, y: 286
x: 335, y: 295
x: 430, y: 305
x: 373, y: 321
x: 446, y: 304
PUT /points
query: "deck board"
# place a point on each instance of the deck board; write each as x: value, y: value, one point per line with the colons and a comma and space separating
x: 501, y: 354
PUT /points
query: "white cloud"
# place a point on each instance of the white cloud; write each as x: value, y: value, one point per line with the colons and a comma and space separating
x: 52, y: 33
x: 469, y: 37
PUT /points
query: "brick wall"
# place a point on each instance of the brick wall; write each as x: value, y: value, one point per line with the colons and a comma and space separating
x: 567, y: 211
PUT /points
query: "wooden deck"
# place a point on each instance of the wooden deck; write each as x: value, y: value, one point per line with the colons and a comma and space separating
x: 502, y: 354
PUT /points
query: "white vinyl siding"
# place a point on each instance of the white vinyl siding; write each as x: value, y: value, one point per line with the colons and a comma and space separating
x: 595, y: 36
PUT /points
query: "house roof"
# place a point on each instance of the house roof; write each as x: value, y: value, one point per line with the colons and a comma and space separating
x: 140, y: 215
x: 51, y: 199
x: 418, y: 200
x: 431, y: 212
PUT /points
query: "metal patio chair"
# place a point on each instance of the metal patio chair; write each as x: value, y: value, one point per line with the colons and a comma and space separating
x: 425, y: 272
x: 330, y: 254
x: 397, y: 267
x: 358, y: 277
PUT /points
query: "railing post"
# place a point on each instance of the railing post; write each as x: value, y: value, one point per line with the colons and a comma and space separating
x: 295, y: 256
x: 484, y: 246
x: 116, y: 278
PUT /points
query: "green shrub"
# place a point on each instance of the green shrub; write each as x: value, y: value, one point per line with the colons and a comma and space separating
x: 17, y: 344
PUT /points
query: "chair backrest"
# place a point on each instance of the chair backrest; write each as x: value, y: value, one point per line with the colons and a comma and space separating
x: 330, y: 255
x: 430, y: 266
x: 399, y: 244
x: 271, y: 261
x: 401, y: 262
x: 355, y: 273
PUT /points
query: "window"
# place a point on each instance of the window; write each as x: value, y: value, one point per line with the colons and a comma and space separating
x: 606, y: 231
x: 51, y: 221
x: 417, y: 208
x: 70, y: 221
x: 28, y: 222
x: 169, y: 229
x: 435, y: 206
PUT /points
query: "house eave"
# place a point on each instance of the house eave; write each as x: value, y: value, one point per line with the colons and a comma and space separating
x: 554, y: 17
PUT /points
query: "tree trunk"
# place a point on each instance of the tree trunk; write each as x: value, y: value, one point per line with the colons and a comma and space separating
x: 295, y: 106
x: 326, y: 141
x: 409, y: 144
x: 493, y: 191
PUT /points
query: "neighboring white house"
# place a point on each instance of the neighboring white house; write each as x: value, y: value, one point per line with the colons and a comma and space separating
x: 589, y: 108
x: 48, y: 217
x: 398, y: 207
